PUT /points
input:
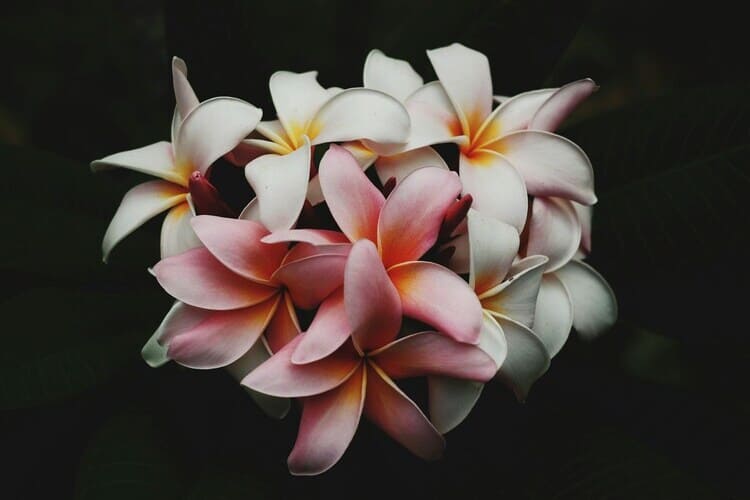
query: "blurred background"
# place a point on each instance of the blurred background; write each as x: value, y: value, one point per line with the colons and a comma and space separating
x: 657, y: 408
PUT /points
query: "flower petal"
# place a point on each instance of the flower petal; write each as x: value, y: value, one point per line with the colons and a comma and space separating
x: 222, y: 337
x: 198, y: 279
x: 433, y: 118
x: 280, y: 185
x: 513, y: 114
x: 274, y: 131
x: 177, y: 234
x: 180, y: 317
x: 153, y: 353
x: 555, y: 109
x: 392, y: 410
x: 451, y: 400
x: 329, y: 422
x: 493, y: 246
x: 585, y: 215
x: 374, y: 117
x: 516, y: 296
x: 236, y: 244
x: 139, y: 204
x: 213, y: 129
x: 155, y: 159
x: 310, y: 236
x: 594, y: 302
x: 353, y: 200
x: 429, y: 353
x: 553, y: 230
x: 250, y: 149
x: 401, y: 165
x: 364, y: 155
x: 465, y: 75
x: 328, y: 330
x: 498, y: 189
x: 437, y: 296
x: 373, y: 307
x: 280, y: 377
x: 392, y: 76
x: 553, y: 318
x: 550, y: 164
x: 492, y: 340
x: 296, y: 97
x: 411, y: 217
x: 283, y: 327
x: 527, y: 358
x: 184, y: 94
x: 312, y: 279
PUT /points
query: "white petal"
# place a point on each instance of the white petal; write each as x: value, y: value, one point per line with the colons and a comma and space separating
x: 513, y: 114
x: 554, y: 111
x: 553, y: 230
x: 516, y: 296
x: 594, y: 302
x: 274, y: 131
x: 393, y: 76
x: 400, y: 165
x: 585, y: 215
x: 251, y: 211
x: 184, y: 94
x: 492, y: 340
x: 554, y: 314
x: 460, y: 261
x: 493, y: 245
x: 249, y: 149
x: 527, y: 358
x: 138, y: 205
x: 153, y: 353
x: 155, y: 159
x: 280, y: 184
x: 364, y: 155
x: 177, y: 234
x: 296, y: 97
x: 451, y: 400
x: 433, y: 119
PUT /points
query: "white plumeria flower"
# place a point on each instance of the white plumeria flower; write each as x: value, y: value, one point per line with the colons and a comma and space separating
x: 508, y: 294
x: 309, y: 115
x: 201, y: 133
x: 501, y: 159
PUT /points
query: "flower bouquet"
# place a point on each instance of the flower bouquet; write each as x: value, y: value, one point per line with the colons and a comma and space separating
x: 364, y: 256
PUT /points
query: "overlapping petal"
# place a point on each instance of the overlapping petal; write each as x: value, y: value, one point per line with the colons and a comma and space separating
x: 392, y: 76
x: 493, y: 246
x: 553, y: 317
x: 516, y: 296
x: 155, y: 159
x: 554, y: 230
x: 177, y: 234
x: 527, y: 358
x: 594, y: 302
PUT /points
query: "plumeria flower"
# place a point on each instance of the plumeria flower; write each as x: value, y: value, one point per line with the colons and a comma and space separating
x: 404, y: 227
x: 309, y: 115
x: 201, y: 133
x: 358, y: 377
x: 501, y: 159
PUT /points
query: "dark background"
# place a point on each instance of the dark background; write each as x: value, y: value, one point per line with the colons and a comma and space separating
x: 658, y: 408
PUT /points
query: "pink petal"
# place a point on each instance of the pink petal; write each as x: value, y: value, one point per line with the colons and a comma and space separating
x: 155, y: 159
x: 437, y: 296
x: 410, y: 221
x: 527, y: 358
x: 141, y: 203
x: 554, y: 111
x: 328, y: 424
x: 429, y: 353
x: 198, y: 279
x: 177, y: 234
x: 236, y: 244
x: 311, y: 236
x: 513, y: 114
x: 433, y: 118
x: 327, y: 332
x: 353, y: 200
x: 392, y: 76
x: 516, y: 296
x: 451, y: 400
x: 493, y: 246
x: 296, y: 97
x: 401, y: 165
x: 184, y: 94
x: 594, y: 302
x: 392, y: 410
x: 222, y: 337
x: 280, y: 377
x: 498, y: 189
x: 553, y: 230
x: 312, y: 279
x: 373, y: 307
x: 550, y: 164
x: 305, y: 250
x: 553, y: 318
x: 283, y: 327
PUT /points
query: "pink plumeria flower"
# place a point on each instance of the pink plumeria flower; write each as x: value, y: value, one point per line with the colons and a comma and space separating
x: 500, y: 161
x: 201, y: 133
x: 404, y: 227
x: 358, y: 377
x: 309, y: 115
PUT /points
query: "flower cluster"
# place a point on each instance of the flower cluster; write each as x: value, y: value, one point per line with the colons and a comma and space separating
x: 379, y: 262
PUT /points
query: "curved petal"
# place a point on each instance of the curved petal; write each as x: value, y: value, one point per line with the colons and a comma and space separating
x: 312, y: 279
x: 550, y: 164
x: 465, y: 75
x: 429, y: 353
x: 553, y: 230
x: 280, y: 185
x: 274, y: 131
x: 236, y: 244
x: 451, y: 400
x: 392, y: 76
x: 139, y: 204
x: 222, y: 337
x: 155, y: 159
x: 310, y: 236
x: 460, y: 261
x: 516, y: 296
x: 594, y: 302
x: 364, y: 155
x: 179, y: 318
x: 553, y: 318
x: 327, y: 332
x: 251, y: 211
x: 328, y: 424
x: 196, y: 278
x: 401, y: 165
x: 373, y: 307
x: 362, y: 114
x: 353, y: 200
x: 283, y: 327
x: 555, y: 109
x: 411, y: 217
x: 492, y: 340
x: 296, y: 97
x: 585, y: 215
x: 213, y: 129
x: 498, y: 189
x: 184, y: 94
x: 280, y: 377
x: 250, y: 149
x: 392, y: 410
x: 304, y: 250
x: 433, y: 119
x: 513, y: 114
x: 493, y: 246
x: 437, y: 296
x: 153, y: 353
x: 527, y: 358
x: 177, y: 234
